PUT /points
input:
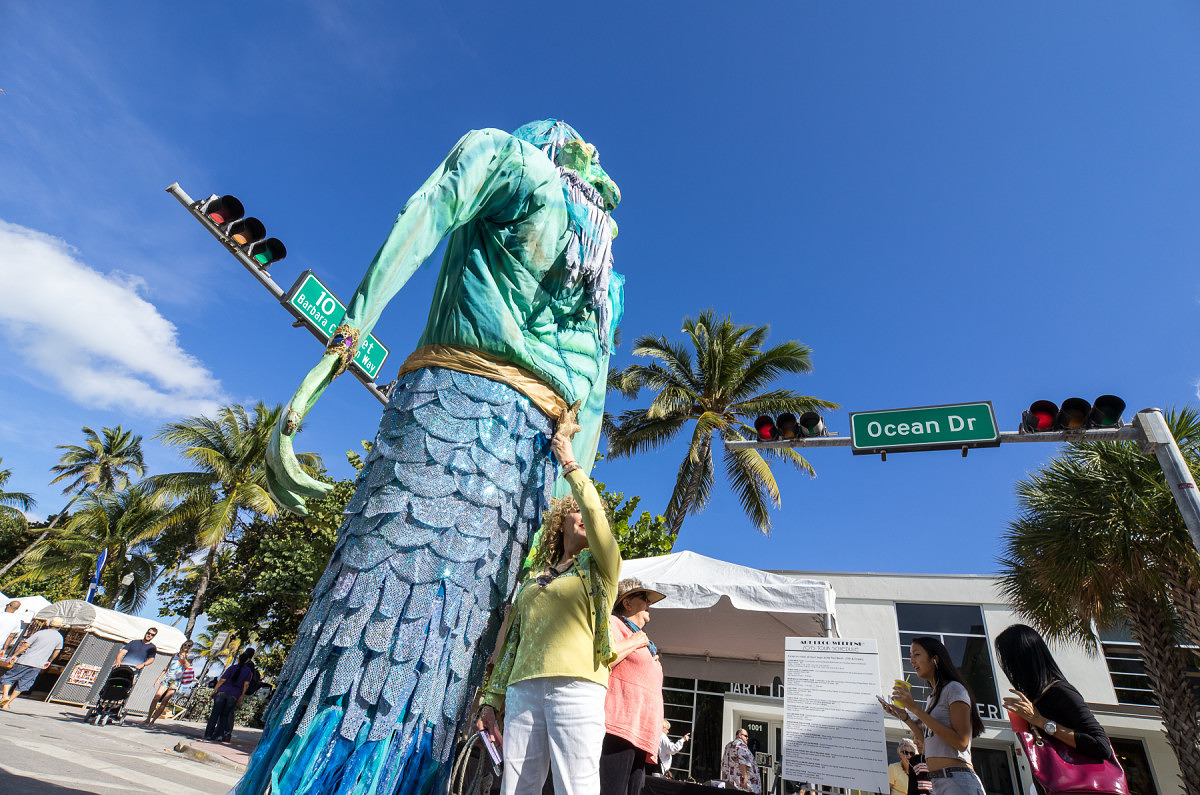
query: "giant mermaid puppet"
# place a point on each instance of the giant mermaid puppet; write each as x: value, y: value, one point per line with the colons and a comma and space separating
x: 402, y: 621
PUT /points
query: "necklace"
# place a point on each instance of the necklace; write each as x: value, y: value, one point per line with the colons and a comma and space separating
x: 547, y: 577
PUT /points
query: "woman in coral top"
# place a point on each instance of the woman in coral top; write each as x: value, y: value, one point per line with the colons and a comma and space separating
x: 633, y: 708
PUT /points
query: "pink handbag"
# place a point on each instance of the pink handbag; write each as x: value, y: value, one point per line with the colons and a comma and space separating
x: 1058, y: 768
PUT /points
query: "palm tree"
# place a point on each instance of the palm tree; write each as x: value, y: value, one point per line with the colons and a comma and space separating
x: 121, y: 523
x: 1100, y: 543
x: 230, y: 483
x: 13, y: 503
x: 104, y: 462
x: 727, y: 383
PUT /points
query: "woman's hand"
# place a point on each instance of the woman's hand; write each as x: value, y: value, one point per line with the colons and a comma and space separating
x: 904, y: 697
x: 486, y: 722
x: 893, y: 710
x: 567, y: 427
x: 1022, y: 707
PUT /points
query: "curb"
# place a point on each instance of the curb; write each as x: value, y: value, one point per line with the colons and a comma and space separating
x: 204, y: 756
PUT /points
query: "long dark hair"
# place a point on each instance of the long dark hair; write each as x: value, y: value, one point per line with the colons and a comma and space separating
x: 1026, y: 660
x: 243, y: 660
x: 945, y: 672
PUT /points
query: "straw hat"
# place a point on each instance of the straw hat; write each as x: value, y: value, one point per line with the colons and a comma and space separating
x: 632, y: 585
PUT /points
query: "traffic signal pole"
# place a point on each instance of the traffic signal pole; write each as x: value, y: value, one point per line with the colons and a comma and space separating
x: 1149, y: 429
x: 263, y: 278
x: 1156, y: 437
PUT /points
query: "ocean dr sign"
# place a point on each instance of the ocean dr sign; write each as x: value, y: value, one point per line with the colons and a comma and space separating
x: 316, y: 305
x: 951, y: 427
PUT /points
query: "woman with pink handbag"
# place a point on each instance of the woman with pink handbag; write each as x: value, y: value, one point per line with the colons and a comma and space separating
x: 1068, y: 750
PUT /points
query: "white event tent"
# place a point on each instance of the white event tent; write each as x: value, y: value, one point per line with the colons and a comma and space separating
x: 725, y: 622
x: 111, y: 625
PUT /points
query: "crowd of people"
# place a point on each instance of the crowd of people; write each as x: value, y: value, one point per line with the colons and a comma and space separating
x: 938, y: 758
x: 34, y: 654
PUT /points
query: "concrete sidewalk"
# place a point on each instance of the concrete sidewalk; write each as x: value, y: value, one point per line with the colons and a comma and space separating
x: 184, y: 737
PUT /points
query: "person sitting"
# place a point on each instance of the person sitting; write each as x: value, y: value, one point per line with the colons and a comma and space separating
x: 633, y: 708
x: 551, y: 668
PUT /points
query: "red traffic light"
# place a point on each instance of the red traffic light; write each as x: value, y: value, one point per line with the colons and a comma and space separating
x: 764, y: 426
x: 1075, y: 414
x: 222, y: 209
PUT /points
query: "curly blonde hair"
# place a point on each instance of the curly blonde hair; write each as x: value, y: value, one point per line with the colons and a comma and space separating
x: 550, y: 549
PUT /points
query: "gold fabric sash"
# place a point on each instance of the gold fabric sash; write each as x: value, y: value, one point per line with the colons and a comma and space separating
x: 469, y: 360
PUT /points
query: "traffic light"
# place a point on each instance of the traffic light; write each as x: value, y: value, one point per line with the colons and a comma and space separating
x: 764, y: 426
x: 249, y: 234
x: 1075, y: 414
x: 811, y: 424
x: 786, y: 424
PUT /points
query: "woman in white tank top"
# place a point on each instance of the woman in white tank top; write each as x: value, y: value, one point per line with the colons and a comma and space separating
x: 948, y: 720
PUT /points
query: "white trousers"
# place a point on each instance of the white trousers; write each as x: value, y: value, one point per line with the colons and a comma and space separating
x: 555, y: 723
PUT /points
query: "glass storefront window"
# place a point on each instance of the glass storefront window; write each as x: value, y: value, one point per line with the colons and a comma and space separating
x: 1132, y: 756
x: 961, y: 629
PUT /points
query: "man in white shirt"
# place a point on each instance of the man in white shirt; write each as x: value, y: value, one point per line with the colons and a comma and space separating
x: 31, y: 658
x: 10, y: 625
x: 668, y: 749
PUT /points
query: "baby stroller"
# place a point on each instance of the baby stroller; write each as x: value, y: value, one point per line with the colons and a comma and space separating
x: 110, y: 707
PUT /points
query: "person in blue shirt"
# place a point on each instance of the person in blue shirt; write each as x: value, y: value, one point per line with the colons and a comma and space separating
x: 227, y: 697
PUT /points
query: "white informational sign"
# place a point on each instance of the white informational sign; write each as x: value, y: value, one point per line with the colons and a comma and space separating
x: 832, y: 725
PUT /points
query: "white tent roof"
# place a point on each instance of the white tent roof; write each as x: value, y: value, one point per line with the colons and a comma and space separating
x: 29, y: 606
x: 112, y: 625
x: 725, y: 622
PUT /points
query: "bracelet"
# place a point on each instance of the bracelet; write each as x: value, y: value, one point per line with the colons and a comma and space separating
x: 344, y: 342
x: 569, y: 468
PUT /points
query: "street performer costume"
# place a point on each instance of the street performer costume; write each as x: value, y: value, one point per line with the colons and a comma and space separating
x: 520, y: 328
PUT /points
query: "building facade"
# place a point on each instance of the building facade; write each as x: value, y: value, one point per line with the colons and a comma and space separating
x: 966, y: 613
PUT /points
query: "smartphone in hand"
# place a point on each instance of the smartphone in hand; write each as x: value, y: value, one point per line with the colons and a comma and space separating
x: 493, y: 753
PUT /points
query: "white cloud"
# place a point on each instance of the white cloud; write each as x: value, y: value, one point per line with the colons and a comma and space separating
x: 92, y: 335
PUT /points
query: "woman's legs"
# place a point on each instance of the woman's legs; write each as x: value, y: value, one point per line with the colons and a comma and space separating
x: 226, y: 724
x: 154, y: 705
x: 223, y: 706
x: 575, y: 729
x: 622, y: 767
x: 162, y: 699
x: 526, y: 749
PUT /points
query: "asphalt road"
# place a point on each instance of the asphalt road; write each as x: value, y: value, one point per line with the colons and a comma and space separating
x: 47, y: 748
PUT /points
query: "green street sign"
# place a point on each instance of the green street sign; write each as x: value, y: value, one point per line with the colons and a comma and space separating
x: 951, y: 427
x: 316, y: 305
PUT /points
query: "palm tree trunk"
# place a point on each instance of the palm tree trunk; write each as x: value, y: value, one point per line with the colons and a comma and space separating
x: 677, y: 509
x: 1167, y: 671
x: 201, y: 587
x: 40, y: 538
x: 1184, y: 588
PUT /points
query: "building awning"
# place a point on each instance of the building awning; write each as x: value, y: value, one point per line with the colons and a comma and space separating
x: 110, y: 624
x: 725, y: 622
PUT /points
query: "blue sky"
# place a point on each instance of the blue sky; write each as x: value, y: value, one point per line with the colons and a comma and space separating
x: 947, y: 201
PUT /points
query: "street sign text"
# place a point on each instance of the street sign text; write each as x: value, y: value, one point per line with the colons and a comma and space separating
x: 949, y: 427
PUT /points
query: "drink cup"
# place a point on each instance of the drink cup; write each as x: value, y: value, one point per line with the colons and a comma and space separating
x: 900, y: 683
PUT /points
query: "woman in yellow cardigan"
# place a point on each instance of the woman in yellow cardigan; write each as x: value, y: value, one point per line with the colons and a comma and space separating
x: 551, y: 670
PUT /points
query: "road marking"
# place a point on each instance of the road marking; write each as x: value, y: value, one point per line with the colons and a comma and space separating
x: 151, y: 782
x: 49, y: 778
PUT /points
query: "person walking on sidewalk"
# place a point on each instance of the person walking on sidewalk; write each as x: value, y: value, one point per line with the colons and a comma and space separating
x: 227, y: 697
x: 178, y: 676
x: 138, y: 653
x: 31, y: 658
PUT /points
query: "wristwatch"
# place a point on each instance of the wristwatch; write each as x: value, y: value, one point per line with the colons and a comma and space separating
x: 1051, y: 728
